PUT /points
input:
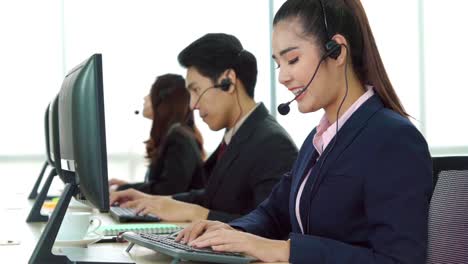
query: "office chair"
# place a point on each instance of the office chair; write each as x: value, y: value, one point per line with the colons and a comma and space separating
x: 448, y: 213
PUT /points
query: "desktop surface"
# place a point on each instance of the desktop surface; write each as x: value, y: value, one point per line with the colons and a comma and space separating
x: 15, y: 228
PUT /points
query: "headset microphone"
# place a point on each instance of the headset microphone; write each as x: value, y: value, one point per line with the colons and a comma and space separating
x: 137, y: 112
x: 283, y: 108
x: 333, y: 50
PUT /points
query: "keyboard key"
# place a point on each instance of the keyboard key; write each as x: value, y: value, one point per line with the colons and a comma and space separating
x: 166, y: 244
x: 168, y: 240
x: 129, y: 214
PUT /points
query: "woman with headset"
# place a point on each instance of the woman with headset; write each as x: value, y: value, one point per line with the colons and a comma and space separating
x: 175, y: 147
x: 359, y: 190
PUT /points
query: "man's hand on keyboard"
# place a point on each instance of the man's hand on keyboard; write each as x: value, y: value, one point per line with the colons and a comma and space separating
x: 168, y: 209
x: 123, y: 197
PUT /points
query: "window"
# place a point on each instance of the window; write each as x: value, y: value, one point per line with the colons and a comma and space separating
x: 140, y: 41
x: 445, y: 70
x: 31, y: 66
x: 419, y: 42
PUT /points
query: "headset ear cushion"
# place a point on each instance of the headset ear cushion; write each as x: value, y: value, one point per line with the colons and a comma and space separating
x: 333, y: 49
x: 225, y: 84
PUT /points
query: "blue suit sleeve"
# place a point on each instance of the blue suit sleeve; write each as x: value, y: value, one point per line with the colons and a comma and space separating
x: 397, y: 188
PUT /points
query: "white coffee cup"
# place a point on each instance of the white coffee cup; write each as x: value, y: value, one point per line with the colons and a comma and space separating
x: 77, y: 225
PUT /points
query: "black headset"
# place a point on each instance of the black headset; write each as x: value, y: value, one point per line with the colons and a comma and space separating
x: 333, y: 50
x: 224, y: 84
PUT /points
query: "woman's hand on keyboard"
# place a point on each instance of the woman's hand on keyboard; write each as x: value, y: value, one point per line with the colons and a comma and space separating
x: 198, y: 228
x: 263, y: 249
x: 122, y: 197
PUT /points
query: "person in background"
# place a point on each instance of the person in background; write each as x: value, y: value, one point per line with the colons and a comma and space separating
x: 255, y: 150
x: 175, y: 147
x: 359, y: 191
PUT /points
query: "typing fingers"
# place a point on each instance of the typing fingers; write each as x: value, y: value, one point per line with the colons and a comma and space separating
x: 196, y: 231
x: 224, y: 240
x: 205, y: 237
x: 148, y: 210
x: 114, y: 197
x: 131, y: 204
x: 221, y: 240
x: 121, y: 196
x: 181, y: 234
x: 184, y: 235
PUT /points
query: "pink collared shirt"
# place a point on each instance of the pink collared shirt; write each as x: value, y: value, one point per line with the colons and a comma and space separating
x: 323, y: 136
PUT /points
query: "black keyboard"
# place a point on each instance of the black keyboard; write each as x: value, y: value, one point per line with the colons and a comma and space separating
x: 129, y: 215
x: 166, y: 244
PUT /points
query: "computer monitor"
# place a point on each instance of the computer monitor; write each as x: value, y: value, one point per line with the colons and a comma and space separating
x: 82, y: 148
x: 82, y: 132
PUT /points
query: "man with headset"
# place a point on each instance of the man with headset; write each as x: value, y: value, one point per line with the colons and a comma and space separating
x: 255, y: 152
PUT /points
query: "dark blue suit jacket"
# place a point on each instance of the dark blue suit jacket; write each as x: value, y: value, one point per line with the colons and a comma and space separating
x: 369, y: 203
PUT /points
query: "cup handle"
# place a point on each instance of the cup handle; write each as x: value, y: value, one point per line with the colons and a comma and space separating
x: 94, y: 229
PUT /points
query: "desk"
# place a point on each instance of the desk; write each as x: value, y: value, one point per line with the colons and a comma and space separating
x: 14, y: 227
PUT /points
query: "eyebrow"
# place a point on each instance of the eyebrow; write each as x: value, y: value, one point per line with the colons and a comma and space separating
x: 284, y: 51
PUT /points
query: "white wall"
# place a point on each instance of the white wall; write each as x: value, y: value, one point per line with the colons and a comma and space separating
x: 140, y: 39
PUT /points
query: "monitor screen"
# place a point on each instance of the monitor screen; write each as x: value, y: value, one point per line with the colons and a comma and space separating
x: 83, y: 154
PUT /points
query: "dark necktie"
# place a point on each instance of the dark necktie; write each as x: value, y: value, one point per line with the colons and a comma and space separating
x: 222, y: 149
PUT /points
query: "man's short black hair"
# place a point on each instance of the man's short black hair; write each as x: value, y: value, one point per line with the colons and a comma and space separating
x: 214, y: 53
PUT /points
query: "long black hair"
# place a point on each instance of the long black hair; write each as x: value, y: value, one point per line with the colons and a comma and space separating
x: 170, y: 101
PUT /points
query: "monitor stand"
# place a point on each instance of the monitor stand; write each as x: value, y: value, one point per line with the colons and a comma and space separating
x: 35, y: 213
x: 42, y: 253
x: 33, y: 193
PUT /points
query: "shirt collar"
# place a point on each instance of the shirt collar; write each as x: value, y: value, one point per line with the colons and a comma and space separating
x: 326, y: 131
x: 231, y: 132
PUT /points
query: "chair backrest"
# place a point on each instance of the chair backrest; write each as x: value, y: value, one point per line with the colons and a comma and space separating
x: 448, y: 213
